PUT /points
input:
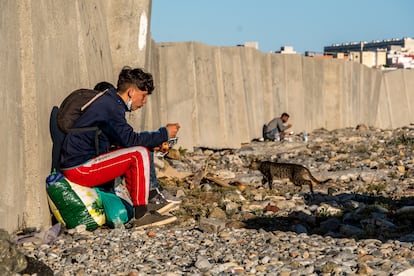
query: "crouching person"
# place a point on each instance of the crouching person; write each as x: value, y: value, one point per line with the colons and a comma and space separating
x: 121, y: 150
x: 276, y: 128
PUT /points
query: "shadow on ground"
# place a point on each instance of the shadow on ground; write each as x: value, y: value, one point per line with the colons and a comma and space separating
x: 347, y: 216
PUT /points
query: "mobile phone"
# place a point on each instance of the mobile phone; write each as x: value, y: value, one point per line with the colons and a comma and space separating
x: 172, y: 141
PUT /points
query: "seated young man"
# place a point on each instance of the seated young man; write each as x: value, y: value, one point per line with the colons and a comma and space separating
x: 131, y: 157
x: 158, y: 195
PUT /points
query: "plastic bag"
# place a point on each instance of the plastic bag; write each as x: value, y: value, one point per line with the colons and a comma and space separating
x: 73, y: 204
x: 115, y: 211
x: 122, y: 192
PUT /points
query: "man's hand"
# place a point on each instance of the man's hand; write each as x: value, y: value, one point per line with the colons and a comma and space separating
x: 165, y: 147
x: 173, y: 129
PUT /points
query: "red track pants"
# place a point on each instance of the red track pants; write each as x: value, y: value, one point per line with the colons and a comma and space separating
x: 133, y: 162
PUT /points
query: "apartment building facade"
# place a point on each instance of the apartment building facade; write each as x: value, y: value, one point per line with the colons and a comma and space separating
x: 389, y: 53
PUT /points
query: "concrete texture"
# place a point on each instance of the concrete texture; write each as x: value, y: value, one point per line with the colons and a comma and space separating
x: 221, y: 96
x: 50, y: 48
x: 128, y: 24
x: 12, y: 146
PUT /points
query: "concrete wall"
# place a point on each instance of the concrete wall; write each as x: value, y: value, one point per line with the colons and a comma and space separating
x: 50, y: 48
x: 223, y: 95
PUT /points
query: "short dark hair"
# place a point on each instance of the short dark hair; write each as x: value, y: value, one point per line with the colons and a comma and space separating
x: 129, y: 76
x: 103, y: 85
x: 285, y: 114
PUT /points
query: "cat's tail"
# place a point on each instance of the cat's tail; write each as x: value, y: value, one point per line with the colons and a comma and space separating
x: 325, y: 181
x: 319, y: 181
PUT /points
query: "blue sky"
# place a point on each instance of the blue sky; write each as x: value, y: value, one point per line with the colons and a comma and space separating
x: 307, y: 25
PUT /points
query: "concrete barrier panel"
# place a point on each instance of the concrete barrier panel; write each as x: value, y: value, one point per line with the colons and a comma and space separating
x: 128, y: 23
x: 266, y: 94
x: 408, y: 79
x: 252, y: 76
x: 331, y: 92
x: 309, y: 92
x: 178, y: 84
x: 257, y: 87
x: 207, y: 115
x: 64, y: 50
x: 233, y: 99
x: 50, y: 49
x: 295, y: 91
x: 278, y: 91
x: 398, y: 97
x: 346, y: 97
x: 12, y: 197
x: 383, y: 118
x: 367, y: 106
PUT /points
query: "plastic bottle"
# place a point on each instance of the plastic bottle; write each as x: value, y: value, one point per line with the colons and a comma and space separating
x: 305, y: 137
x: 118, y: 224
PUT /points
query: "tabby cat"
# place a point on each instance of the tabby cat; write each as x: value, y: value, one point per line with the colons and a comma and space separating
x: 296, y: 173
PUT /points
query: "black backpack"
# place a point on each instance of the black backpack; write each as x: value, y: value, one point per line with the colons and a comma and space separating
x: 64, y: 117
x: 73, y: 106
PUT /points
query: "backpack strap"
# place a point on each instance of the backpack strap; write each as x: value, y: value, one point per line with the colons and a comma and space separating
x: 97, y: 133
x: 94, y: 128
x: 57, y: 139
x: 92, y: 100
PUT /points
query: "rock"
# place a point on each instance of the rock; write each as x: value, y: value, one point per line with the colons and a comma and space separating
x: 174, y: 154
x: 217, y: 213
x: 351, y: 230
x: 364, y: 269
x: 328, y: 210
x: 406, y: 212
x: 408, y: 272
x: 159, y: 163
x: 11, y: 259
x: 36, y: 267
x: 180, y: 193
x: 203, y: 264
x: 300, y: 229
x: 254, y: 206
x: 225, y: 174
x: 211, y: 225
x: 330, y: 225
x: 360, y: 222
x: 329, y: 267
x: 231, y: 207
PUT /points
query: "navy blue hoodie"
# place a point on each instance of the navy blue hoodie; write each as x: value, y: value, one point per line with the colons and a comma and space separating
x: 107, y: 113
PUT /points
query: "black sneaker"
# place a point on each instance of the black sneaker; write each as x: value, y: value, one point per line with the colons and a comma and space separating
x: 167, y: 196
x: 153, y: 219
x: 158, y: 203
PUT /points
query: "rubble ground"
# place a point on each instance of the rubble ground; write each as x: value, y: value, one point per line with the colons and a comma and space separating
x: 371, y: 190
x: 359, y: 223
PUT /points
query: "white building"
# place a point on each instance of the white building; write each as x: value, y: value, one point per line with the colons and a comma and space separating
x: 286, y: 50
